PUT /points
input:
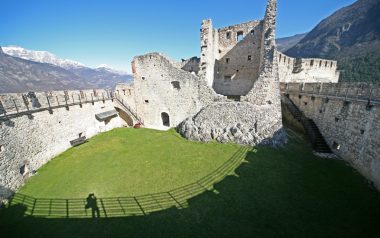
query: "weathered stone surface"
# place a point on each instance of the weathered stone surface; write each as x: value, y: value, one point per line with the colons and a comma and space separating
x: 33, y: 140
x: 351, y: 129
x: 242, y: 123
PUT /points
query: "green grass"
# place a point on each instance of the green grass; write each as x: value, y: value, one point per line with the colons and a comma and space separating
x: 285, y: 192
x: 127, y: 162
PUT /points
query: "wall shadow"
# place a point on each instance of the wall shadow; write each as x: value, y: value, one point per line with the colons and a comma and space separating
x: 284, y: 192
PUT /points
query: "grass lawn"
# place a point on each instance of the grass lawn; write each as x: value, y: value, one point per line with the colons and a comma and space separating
x: 286, y: 192
x: 127, y: 162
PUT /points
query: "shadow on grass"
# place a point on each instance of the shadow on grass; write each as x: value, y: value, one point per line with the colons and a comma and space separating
x: 275, y: 193
x: 126, y: 206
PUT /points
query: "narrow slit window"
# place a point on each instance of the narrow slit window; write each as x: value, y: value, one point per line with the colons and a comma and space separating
x: 249, y: 57
x: 227, y: 60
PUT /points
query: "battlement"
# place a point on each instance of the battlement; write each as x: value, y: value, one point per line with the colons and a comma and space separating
x: 14, y: 104
x: 311, y: 70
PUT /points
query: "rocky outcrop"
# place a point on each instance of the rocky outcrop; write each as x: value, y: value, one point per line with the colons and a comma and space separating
x: 232, y: 122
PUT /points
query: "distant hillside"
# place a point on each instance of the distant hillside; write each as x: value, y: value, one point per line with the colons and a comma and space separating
x: 19, y: 75
x: 18, y: 72
x: 352, y: 36
x: 283, y: 44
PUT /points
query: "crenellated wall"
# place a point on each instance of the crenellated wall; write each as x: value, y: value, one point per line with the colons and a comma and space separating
x: 292, y: 70
x: 38, y: 132
x: 348, y: 116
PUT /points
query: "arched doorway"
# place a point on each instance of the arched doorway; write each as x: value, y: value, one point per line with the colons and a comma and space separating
x: 126, y: 119
x: 165, y: 119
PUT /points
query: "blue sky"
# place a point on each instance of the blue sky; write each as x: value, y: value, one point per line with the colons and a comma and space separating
x: 112, y: 32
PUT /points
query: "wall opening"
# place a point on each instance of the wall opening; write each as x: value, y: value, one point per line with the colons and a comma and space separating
x: 146, y: 101
x: 252, y: 32
x: 228, y: 35
x: 24, y: 169
x: 126, y: 120
x: 227, y: 60
x: 249, y: 57
x: 336, y: 146
x: 239, y: 36
x: 227, y: 78
x: 176, y: 85
x: 143, y: 78
x: 165, y: 119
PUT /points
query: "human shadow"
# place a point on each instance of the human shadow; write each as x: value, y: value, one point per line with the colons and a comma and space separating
x: 93, y: 205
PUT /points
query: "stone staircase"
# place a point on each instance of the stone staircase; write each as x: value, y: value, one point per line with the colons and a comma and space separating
x: 318, y: 142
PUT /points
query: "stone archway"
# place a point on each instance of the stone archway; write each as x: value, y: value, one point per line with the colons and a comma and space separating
x: 165, y: 119
x: 126, y: 119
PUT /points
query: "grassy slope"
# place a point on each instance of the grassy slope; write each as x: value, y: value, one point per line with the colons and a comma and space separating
x: 127, y: 162
x: 277, y: 193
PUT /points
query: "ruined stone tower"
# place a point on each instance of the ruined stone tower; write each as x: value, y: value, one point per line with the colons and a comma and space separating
x: 235, y: 97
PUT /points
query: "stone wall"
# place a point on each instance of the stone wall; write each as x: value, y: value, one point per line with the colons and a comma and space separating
x: 30, y: 139
x: 242, y: 123
x: 293, y: 70
x: 349, y: 122
x: 191, y: 65
x: 238, y: 59
x: 161, y: 87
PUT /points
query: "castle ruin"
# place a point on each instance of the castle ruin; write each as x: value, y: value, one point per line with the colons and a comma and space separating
x: 230, y: 94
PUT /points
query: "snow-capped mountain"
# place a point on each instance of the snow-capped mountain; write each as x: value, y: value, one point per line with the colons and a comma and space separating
x: 105, y: 67
x: 27, y: 70
x: 41, y: 57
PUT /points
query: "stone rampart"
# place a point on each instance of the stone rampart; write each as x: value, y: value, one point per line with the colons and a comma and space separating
x: 348, y: 116
x: 43, y: 128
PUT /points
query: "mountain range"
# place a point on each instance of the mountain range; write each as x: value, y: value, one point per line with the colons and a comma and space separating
x: 23, y: 70
x: 285, y: 43
x: 351, y: 36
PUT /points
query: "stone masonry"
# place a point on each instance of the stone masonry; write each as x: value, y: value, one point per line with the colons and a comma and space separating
x: 29, y: 140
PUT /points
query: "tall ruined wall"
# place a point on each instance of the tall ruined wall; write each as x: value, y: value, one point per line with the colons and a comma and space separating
x: 160, y: 87
x: 257, y: 119
x: 238, y: 58
x: 29, y: 140
x: 209, y: 49
x: 347, y: 119
x: 293, y: 70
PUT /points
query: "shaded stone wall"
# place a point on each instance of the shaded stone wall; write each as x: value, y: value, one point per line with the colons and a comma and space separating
x: 238, y: 59
x: 28, y: 141
x: 350, y: 125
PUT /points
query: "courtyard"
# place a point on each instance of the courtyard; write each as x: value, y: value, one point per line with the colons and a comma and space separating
x: 145, y: 183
